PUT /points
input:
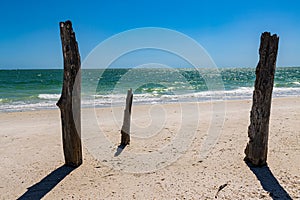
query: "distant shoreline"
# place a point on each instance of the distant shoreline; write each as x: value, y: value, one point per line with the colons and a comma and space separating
x: 54, y: 108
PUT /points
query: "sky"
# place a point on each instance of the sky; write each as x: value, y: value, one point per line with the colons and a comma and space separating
x: 228, y: 30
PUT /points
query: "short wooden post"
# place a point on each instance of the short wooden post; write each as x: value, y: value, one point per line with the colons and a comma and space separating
x: 125, y: 131
x: 69, y: 102
x: 258, y: 130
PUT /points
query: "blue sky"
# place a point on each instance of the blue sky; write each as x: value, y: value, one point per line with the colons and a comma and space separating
x: 228, y: 30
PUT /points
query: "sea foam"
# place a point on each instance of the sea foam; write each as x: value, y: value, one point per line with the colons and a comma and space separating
x: 49, y: 96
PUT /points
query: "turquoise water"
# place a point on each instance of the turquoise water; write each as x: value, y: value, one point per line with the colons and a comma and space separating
x: 22, y: 90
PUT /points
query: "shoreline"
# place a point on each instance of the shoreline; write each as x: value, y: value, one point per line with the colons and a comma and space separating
x: 31, y: 148
x: 151, y: 104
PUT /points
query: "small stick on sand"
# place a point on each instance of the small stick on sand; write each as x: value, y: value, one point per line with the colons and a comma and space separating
x: 220, y: 188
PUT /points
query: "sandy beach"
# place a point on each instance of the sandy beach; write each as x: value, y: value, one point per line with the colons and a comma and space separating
x: 32, y: 157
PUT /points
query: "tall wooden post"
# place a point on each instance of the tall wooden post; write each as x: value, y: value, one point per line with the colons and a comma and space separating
x: 125, y: 131
x: 69, y: 102
x: 258, y: 130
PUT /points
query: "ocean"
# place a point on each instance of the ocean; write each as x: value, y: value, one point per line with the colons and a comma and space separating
x: 23, y: 90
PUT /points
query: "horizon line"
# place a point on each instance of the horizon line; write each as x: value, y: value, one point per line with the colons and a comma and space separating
x: 48, y: 68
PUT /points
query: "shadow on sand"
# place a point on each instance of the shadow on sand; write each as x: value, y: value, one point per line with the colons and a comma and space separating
x: 120, y: 148
x: 269, y: 182
x: 40, y: 189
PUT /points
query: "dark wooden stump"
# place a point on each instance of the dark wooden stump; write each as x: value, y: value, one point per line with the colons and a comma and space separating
x: 69, y: 102
x: 125, y: 131
x: 258, y: 130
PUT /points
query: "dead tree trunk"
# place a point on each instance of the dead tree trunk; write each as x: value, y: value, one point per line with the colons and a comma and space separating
x: 69, y: 102
x: 258, y: 130
x: 125, y: 131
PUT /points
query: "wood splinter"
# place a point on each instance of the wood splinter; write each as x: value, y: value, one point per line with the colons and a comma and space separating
x: 125, y: 131
x: 220, y: 188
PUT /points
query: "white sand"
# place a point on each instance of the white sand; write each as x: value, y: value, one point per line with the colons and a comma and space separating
x: 31, y: 149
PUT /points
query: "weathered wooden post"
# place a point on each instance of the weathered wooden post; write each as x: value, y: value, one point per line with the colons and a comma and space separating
x: 69, y: 102
x: 125, y: 131
x: 258, y: 130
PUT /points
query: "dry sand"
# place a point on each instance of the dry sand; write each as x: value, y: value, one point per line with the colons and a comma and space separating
x: 32, y: 157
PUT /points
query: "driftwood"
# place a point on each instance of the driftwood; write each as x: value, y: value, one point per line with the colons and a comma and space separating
x: 220, y: 188
x: 258, y: 130
x: 125, y: 131
x: 69, y: 102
